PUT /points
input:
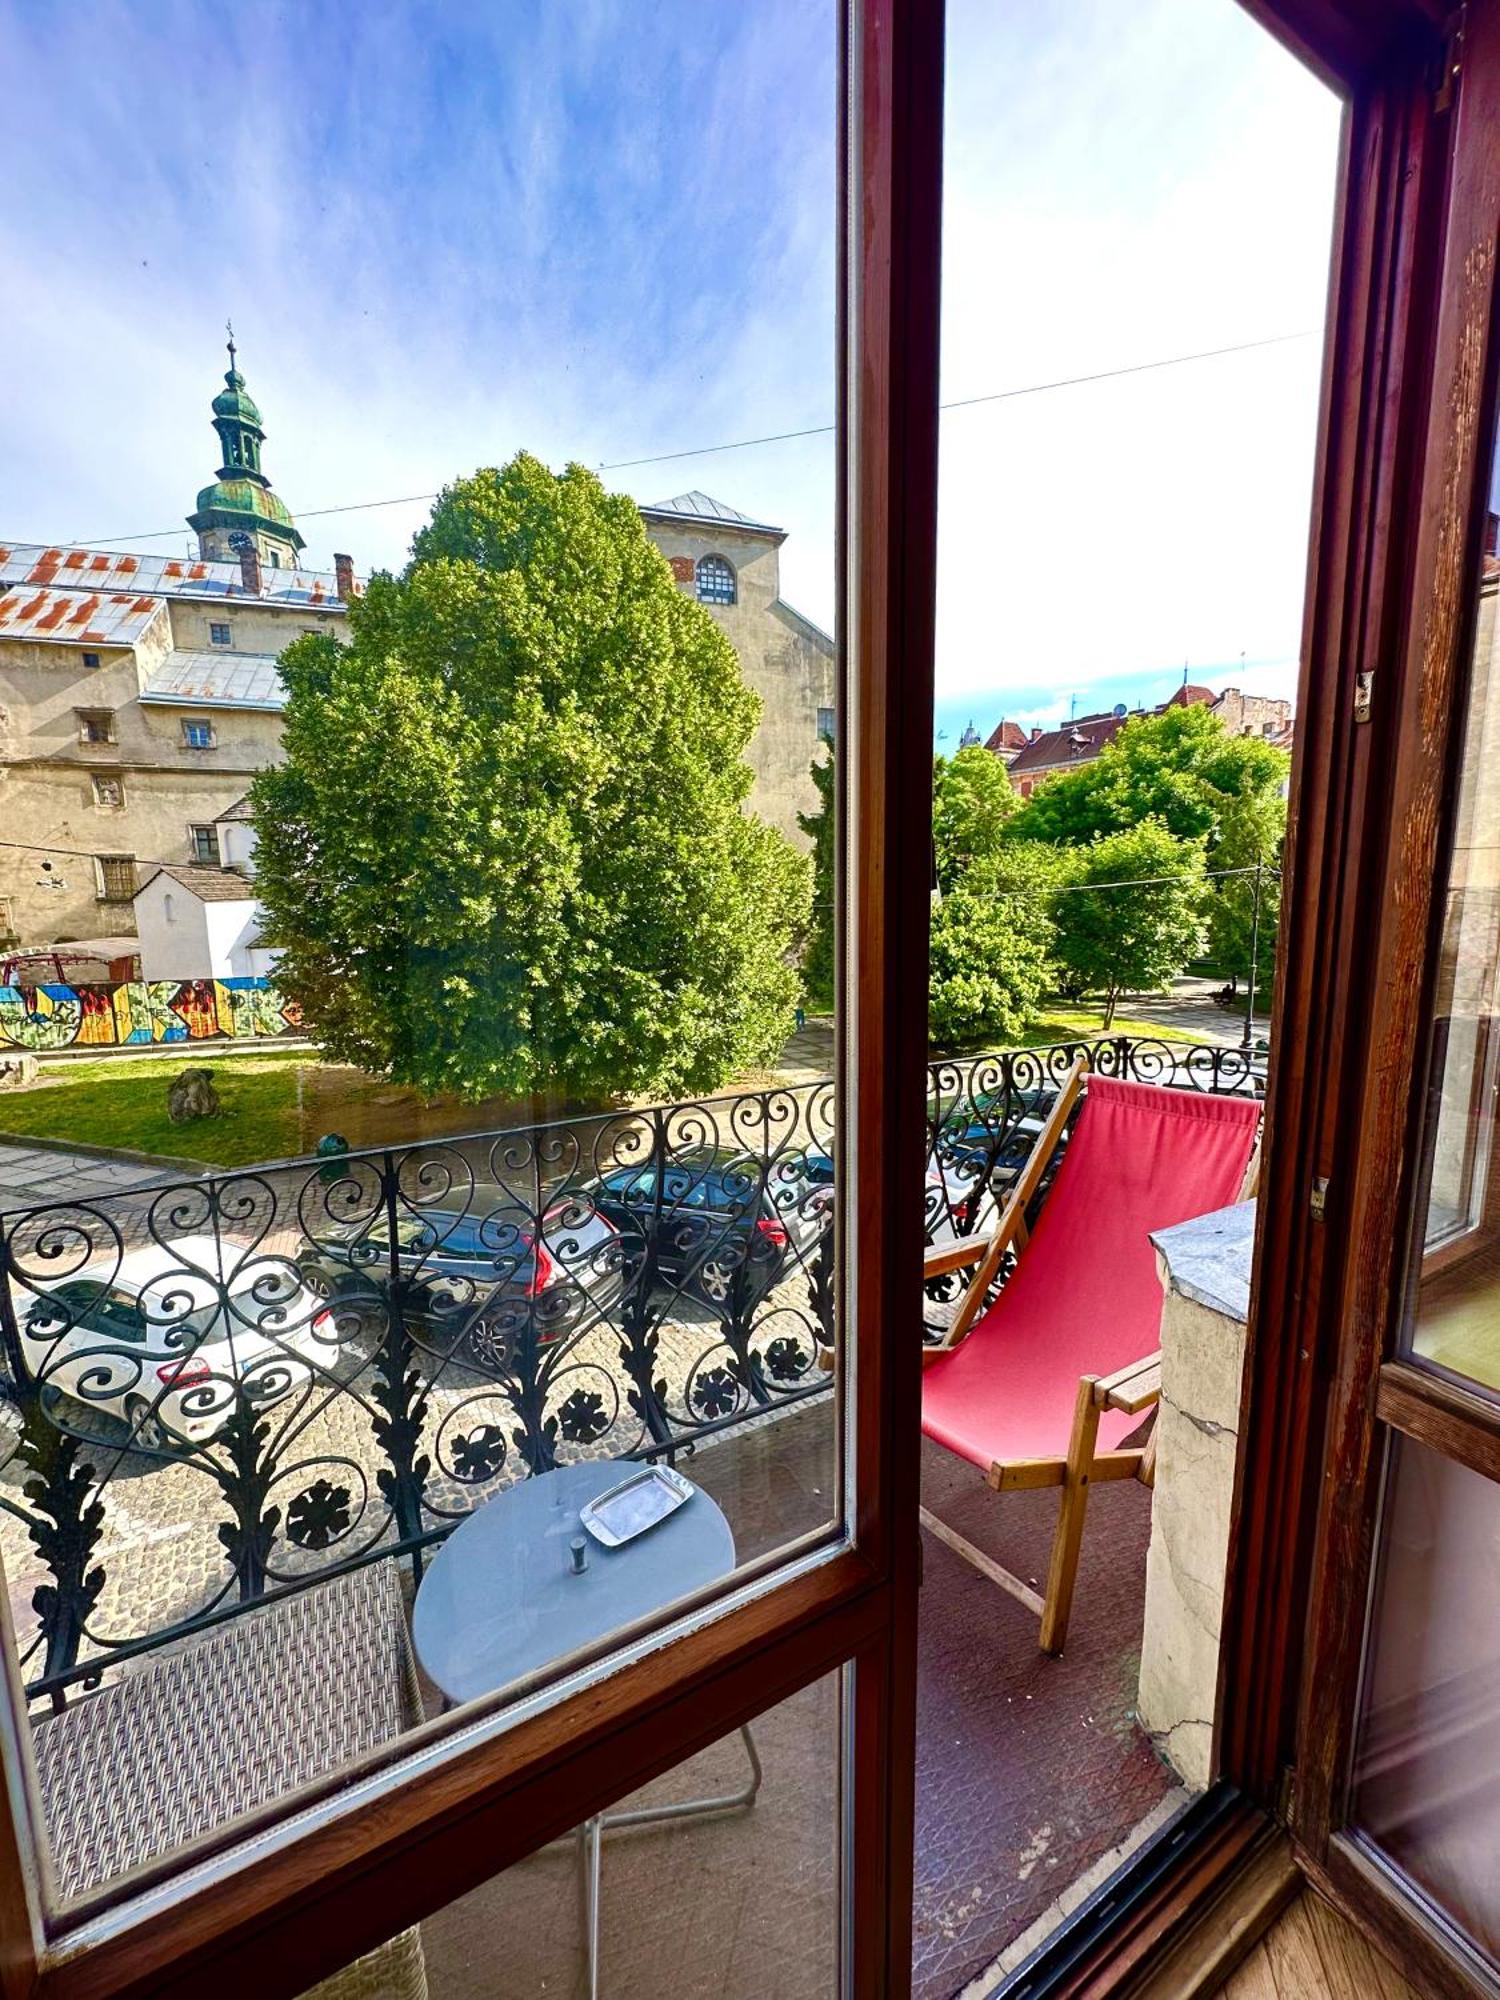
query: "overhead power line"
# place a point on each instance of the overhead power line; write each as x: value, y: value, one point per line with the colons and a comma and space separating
x: 783, y: 437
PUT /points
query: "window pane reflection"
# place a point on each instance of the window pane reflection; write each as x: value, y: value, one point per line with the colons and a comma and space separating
x: 1427, y: 1764
x: 718, y: 1881
x: 1457, y: 1320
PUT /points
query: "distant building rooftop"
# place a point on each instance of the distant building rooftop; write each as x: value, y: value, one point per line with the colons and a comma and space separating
x: 1075, y: 743
x: 699, y: 506
x: 209, y: 885
x: 164, y: 576
x: 75, y: 617
x: 1006, y: 736
x: 217, y: 680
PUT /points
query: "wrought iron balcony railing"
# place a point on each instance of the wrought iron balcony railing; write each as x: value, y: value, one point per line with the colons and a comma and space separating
x: 283, y: 1372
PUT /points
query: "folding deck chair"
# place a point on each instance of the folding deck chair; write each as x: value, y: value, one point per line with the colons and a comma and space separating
x: 1039, y: 1388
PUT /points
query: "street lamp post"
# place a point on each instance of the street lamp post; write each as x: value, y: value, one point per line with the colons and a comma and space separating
x: 1254, y: 952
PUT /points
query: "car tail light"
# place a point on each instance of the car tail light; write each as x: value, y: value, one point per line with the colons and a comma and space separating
x: 773, y: 1231
x: 542, y: 1276
x: 324, y: 1325
x: 184, y: 1374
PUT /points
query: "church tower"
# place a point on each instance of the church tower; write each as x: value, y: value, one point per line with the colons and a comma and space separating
x: 239, y: 511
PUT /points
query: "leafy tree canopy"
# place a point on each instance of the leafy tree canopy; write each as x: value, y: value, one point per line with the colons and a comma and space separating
x: 1181, y: 768
x: 992, y: 941
x: 973, y: 801
x: 1132, y: 916
x: 820, y: 827
x: 506, y: 850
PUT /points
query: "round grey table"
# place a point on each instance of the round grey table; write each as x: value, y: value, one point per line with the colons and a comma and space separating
x: 502, y: 1600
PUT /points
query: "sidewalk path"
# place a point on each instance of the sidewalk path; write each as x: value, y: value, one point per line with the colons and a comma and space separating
x: 34, y: 1175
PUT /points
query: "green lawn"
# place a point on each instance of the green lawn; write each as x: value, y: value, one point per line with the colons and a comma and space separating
x: 278, y: 1105
x: 275, y: 1107
x: 1063, y: 1023
x: 120, y: 1102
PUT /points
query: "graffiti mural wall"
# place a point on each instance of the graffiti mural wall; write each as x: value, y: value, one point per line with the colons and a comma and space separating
x: 138, y: 1011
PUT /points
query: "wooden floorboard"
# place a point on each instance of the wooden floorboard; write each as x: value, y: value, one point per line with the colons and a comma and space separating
x: 1311, y: 1953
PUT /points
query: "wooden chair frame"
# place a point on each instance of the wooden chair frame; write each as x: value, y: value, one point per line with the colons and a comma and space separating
x: 1135, y: 1388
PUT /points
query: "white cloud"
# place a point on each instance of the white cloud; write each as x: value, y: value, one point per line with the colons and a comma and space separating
x: 445, y: 232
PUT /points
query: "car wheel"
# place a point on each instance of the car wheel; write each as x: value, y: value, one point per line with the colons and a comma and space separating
x: 147, y: 1431
x: 715, y: 1281
x: 485, y: 1349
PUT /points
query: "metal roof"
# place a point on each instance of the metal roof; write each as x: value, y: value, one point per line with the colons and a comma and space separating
x: 699, y: 506
x: 217, y: 680
x: 77, y: 617
x: 165, y: 576
x: 209, y: 885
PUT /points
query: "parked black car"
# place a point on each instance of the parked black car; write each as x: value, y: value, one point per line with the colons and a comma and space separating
x: 476, y: 1283
x: 724, y: 1221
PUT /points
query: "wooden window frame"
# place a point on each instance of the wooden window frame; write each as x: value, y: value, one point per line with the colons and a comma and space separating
x: 88, y: 717
x: 319, y: 1895
x: 103, y: 893
x: 1398, y: 523
x: 340, y: 1888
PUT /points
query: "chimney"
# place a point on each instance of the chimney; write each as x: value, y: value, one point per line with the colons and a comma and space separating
x: 250, y: 569
x: 343, y: 571
x: 1035, y: 731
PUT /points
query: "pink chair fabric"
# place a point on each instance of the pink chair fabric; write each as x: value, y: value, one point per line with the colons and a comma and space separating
x: 1085, y: 1298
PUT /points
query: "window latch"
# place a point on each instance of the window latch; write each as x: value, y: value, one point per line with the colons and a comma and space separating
x: 1364, y: 695
x: 1317, y: 1201
x: 1452, y: 61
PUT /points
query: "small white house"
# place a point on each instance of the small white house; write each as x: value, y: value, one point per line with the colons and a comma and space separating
x: 237, y: 838
x: 200, y: 923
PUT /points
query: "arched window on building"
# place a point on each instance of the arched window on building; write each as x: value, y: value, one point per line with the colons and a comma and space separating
x: 715, y: 580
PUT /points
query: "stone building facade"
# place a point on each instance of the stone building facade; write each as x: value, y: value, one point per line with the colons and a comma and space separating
x: 138, y: 697
x: 733, y: 566
x: 140, y: 694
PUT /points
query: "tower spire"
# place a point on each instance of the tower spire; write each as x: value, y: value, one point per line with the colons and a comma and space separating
x: 239, y: 512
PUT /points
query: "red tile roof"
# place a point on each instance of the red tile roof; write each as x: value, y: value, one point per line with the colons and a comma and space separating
x: 1006, y: 736
x: 1189, y: 695
x: 1076, y: 743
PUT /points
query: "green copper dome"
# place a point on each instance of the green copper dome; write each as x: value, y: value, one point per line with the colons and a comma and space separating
x: 245, y: 497
x: 239, y: 511
x: 233, y: 402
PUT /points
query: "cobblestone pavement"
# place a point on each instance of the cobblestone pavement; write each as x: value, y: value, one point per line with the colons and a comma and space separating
x: 31, y: 1175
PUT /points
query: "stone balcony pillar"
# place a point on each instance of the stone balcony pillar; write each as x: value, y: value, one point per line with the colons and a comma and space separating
x: 1205, y: 1271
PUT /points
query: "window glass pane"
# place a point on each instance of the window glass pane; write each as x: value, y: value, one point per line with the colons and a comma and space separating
x: 1456, y: 1323
x: 718, y: 1881
x: 466, y: 844
x: 1427, y: 1762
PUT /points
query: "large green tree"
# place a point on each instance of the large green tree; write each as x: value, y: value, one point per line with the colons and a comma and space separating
x: 992, y: 943
x: 1183, y: 770
x: 973, y: 804
x: 1180, y: 767
x: 507, y: 849
x: 1131, y: 917
x: 991, y: 927
x: 821, y: 829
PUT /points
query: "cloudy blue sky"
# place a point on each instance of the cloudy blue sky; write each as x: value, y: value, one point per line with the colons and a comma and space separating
x: 605, y: 231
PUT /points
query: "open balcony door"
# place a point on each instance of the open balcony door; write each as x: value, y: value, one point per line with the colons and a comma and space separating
x: 1383, y: 1244
x: 454, y: 1814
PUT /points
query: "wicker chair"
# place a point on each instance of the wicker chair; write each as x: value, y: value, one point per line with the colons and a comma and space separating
x: 186, y: 1743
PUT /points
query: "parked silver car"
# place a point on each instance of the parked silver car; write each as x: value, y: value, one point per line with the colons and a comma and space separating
x: 168, y: 1335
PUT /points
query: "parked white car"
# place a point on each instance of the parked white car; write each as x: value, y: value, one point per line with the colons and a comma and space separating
x: 153, y: 1338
